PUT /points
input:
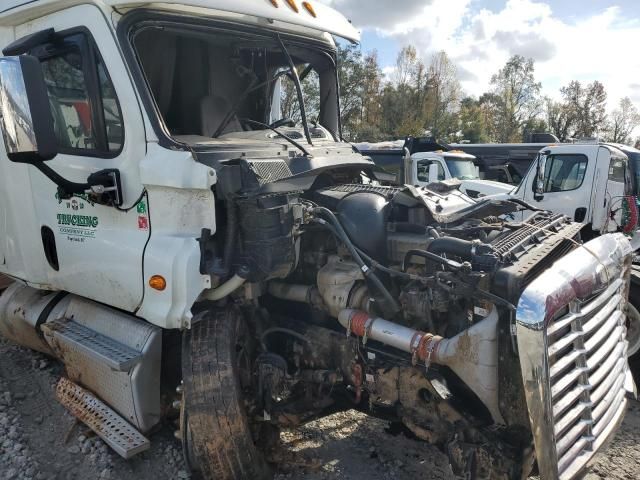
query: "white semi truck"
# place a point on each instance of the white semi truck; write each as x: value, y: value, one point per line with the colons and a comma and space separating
x: 595, y: 184
x: 188, y: 254
x: 424, y: 167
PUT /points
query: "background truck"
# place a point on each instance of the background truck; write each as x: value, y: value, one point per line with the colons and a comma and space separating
x: 590, y: 183
x: 596, y: 185
x: 413, y: 163
x: 195, y: 256
x: 506, y: 162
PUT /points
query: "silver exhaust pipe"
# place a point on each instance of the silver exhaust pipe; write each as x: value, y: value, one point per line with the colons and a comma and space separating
x: 472, y: 354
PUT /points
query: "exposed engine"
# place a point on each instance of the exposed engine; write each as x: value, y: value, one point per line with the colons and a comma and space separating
x: 398, y: 301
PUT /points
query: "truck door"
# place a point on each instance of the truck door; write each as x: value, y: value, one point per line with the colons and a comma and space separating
x: 92, y: 250
x: 615, y: 181
x: 565, y: 189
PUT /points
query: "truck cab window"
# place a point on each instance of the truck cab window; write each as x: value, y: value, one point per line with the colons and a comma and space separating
x: 86, y: 113
x: 288, y: 99
x: 564, y: 172
x: 210, y: 84
x: 423, y: 170
x: 114, y: 127
x: 69, y: 100
x: 461, y: 169
x: 617, y: 169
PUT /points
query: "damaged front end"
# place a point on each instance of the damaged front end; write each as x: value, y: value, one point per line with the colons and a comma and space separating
x: 426, y: 306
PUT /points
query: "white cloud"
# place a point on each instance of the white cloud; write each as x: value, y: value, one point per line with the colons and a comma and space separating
x: 601, y: 46
x: 380, y: 14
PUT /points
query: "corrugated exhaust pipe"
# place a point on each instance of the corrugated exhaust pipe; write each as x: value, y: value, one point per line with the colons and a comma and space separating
x: 472, y: 354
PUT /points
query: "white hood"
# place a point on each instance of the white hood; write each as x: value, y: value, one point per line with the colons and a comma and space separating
x: 487, y: 187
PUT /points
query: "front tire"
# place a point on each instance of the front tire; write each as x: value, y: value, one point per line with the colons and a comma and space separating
x: 220, y: 442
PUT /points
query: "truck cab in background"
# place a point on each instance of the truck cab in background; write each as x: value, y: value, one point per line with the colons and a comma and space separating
x: 420, y: 161
x: 592, y: 184
x: 513, y: 159
x: 420, y: 169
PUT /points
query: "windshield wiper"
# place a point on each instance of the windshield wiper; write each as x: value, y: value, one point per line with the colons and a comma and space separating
x: 280, y: 134
x: 296, y: 81
x: 238, y: 102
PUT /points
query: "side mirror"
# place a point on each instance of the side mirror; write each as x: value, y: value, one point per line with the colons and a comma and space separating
x: 433, y: 173
x: 26, y: 121
x: 539, y: 180
x: 29, y: 135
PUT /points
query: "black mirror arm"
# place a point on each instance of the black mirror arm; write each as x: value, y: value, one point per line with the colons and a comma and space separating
x: 66, y: 186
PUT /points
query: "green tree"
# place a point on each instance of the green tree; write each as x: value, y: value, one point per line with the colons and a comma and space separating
x: 516, y: 98
x: 560, y: 119
x: 472, y: 121
x: 586, y: 108
x: 624, y: 121
x: 350, y: 77
x: 441, y: 97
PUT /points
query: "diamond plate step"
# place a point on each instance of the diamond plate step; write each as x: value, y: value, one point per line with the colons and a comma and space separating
x: 117, y: 356
x: 125, y: 440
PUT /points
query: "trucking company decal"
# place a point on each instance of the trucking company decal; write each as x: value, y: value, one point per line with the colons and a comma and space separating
x: 76, y: 226
x: 74, y: 197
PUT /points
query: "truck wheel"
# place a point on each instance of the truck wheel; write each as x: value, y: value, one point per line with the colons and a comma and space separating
x: 217, y: 367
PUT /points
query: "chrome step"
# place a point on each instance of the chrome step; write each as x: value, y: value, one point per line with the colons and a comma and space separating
x: 114, y: 354
x: 125, y: 440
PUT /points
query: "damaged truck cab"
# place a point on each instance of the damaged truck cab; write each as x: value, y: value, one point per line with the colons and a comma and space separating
x: 192, y: 238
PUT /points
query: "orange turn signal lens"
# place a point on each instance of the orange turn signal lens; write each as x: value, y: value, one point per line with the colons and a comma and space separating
x: 274, y: 3
x: 157, y: 282
x: 309, y: 8
x: 293, y: 5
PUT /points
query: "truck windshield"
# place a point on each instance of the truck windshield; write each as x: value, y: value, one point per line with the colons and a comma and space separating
x: 461, y: 169
x: 209, y: 83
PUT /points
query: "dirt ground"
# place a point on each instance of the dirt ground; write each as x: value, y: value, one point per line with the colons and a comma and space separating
x: 39, y: 440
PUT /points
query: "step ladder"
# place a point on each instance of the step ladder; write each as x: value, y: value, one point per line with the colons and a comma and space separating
x: 116, y: 432
x: 74, y: 335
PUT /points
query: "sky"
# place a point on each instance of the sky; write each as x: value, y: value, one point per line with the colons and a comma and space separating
x: 569, y: 39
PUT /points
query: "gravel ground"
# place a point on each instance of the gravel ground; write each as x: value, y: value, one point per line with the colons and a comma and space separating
x: 39, y: 440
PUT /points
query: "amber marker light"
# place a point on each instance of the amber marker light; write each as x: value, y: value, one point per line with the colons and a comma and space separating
x: 309, y: 8
x: 157, y: 282
x: 274, y: 3
x: 293, y: 5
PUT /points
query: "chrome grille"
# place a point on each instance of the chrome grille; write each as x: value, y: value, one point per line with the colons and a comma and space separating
x: 572, y: 345
x: 587, y: 359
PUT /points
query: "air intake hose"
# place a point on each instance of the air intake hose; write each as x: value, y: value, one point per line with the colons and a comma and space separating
x: 453, y: 246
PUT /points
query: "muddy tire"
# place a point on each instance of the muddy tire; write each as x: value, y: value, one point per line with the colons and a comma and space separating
x: 220, y: 442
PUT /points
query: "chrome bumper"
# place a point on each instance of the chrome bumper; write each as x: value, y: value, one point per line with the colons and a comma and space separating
x: 572, y: 347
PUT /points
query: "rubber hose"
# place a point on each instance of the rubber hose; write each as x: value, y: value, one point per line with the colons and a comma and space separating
x: 225, y: 289
x: 452, y: 246
x: 450, y: 264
